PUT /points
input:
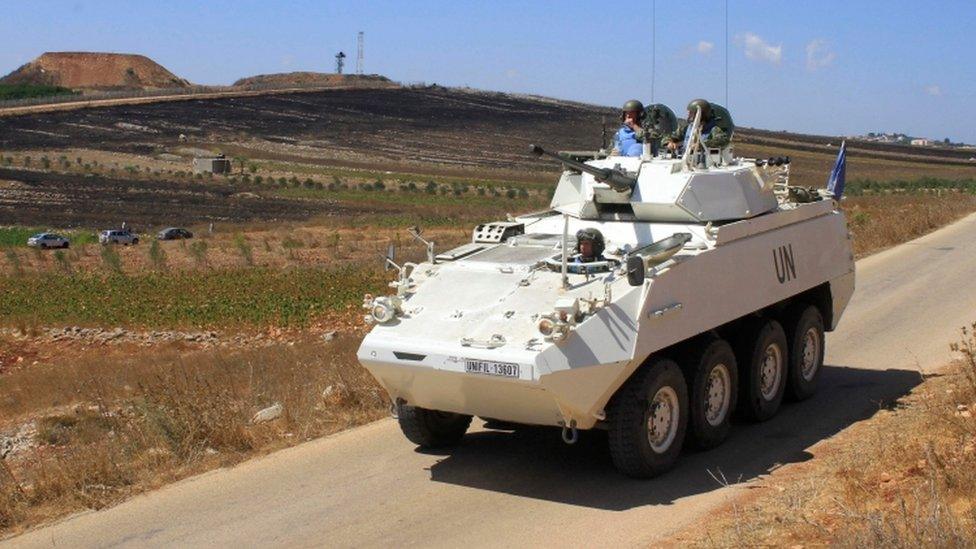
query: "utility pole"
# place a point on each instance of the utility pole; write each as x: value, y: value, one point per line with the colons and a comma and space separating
x: 359, y: 54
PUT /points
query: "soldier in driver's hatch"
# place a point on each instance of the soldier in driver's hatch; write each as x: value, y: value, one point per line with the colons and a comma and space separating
x: 712, y: 124
x: 630, y: 137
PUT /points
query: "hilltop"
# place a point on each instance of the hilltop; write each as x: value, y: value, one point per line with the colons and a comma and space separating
x: 95, y: 71
x: 325, y: 79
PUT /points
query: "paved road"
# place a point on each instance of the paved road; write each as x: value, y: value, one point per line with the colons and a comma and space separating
x: 369, y: 487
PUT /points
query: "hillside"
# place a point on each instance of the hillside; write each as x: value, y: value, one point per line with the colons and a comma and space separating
x: 325, y: 79
x: 426, y: 130
x: 95, y: 71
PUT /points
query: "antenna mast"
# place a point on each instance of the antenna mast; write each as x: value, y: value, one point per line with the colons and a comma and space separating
x: 727, y: 55
x: 653, y: 44
x: 359, y: 54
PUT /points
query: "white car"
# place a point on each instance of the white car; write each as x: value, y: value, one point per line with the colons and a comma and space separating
x: 47, y: 240
x: 124, y: 237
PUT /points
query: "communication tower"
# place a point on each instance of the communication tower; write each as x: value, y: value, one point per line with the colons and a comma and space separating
x: 359, y: 54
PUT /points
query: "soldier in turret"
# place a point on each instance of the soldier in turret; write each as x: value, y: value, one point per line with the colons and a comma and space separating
x: 630, y: 137
x: 716, y: 127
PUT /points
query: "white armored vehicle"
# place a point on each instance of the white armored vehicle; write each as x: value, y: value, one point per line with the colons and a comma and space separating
x: 658, y: 294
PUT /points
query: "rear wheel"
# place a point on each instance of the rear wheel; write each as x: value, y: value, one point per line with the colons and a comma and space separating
x: 805, y: 333
x: 648, y: 420
x: 431, y: 428
x: 711, y: 371
x: 763, y: 360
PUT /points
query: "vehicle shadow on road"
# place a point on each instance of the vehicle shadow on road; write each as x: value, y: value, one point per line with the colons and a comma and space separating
x: 535, y: 463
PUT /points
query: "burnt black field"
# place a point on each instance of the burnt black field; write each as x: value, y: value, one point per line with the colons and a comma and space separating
x: 432, y: 126
x: 70, y: 200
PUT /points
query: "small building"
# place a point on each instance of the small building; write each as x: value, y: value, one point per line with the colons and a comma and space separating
x: 217, y: 164
x: 921, y: 142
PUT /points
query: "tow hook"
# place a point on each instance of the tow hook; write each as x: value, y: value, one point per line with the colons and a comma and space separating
x: 570, y: 434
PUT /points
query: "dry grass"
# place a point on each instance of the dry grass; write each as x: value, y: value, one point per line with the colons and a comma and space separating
x: 905, y: 478
x: 882, y: 221
x: 108, y: 429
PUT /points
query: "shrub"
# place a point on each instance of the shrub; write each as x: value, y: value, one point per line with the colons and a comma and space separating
x: 63, y: 262
x: 244, y: 248
x: 198, y: 250
x: 13, y: 259
x: 157, y: 256
x: 111, y: 259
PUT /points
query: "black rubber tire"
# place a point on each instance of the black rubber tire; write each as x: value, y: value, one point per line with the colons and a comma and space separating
x: 799, y: 320
x: 698, y: 361
x: 630, y: 448
x: 751, y: 352
x: 135, y: 241
x: 65, y: 246
x: 431, y: 428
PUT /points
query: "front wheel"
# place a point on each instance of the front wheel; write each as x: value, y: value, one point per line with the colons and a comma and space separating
x: 648, y: 420
x: 431, y: 428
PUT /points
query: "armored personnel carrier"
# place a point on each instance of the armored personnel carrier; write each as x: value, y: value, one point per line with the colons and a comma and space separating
x: 657, y: 296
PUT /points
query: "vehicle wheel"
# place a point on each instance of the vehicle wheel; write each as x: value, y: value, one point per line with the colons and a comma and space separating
x: 648, y: 419
x: 805, y: 333
x: 135, y: 240
x: 763, y: 360
x: 431, y: 428
x: 713, y: 377
x: 66, y: 244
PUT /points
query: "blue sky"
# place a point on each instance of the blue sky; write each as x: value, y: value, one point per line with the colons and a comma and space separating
x: 826, y: 67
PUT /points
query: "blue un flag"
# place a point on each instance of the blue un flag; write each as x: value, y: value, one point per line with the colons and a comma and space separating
x: 837, y: 175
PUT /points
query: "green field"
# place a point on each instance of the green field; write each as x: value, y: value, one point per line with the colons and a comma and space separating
x: 201, y: 299
x: 17, y: 236
x: 29, y: 91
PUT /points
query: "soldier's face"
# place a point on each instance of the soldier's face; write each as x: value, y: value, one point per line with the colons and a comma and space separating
x: 586, y: 248
x: 631, y: 116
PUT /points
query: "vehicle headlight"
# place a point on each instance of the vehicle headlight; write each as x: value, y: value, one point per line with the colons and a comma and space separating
x: 553, y: 327
x: 381, y: 309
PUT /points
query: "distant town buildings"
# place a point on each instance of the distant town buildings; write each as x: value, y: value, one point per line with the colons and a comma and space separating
x: 902, y: 139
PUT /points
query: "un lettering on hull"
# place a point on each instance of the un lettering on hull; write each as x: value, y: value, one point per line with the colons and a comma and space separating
x: 784, y: 263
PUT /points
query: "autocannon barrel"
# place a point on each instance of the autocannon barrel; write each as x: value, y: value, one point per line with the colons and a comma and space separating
x: 617, y: 180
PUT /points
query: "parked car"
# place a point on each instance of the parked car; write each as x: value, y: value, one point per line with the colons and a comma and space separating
x: 47, y: 240
x: 124, y: 237
x: 173, y: 233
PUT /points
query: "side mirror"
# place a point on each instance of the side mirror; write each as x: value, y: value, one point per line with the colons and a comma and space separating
x: 390, y: 258
x: 636, y: 270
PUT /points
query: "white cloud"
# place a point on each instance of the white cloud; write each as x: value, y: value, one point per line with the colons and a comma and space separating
x: 819, y: 55
x: 760, y: 50
x: 933, y: 90
x: 705, y: 47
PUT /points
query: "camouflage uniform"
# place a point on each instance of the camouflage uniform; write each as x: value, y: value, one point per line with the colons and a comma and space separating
x: 717, y: 129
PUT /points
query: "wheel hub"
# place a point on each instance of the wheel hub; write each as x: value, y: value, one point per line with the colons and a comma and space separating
x: 717, y: 394
x: 771, y: 372
x: 662, y: 419
x: 810, y: 354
